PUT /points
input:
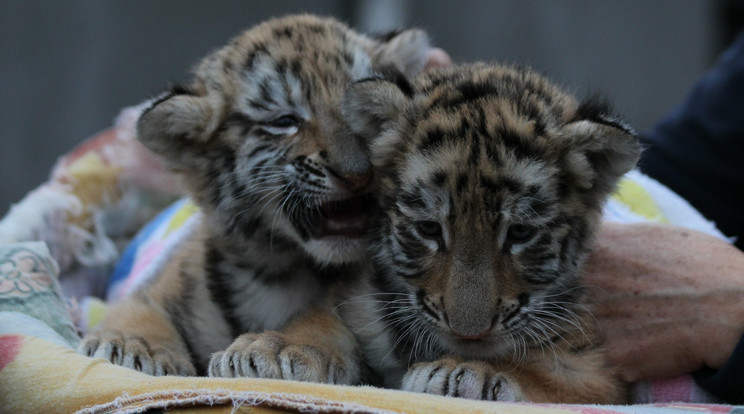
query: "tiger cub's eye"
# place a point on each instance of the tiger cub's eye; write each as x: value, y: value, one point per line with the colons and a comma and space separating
x: 520, y: 233
x: 285, y: 121
x: 429, y: 229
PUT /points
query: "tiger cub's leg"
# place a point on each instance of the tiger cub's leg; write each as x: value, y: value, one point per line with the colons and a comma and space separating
x: 141, y: 330
x: 138, y: 336
x: 316, y: 347
x: 571, y: 377
x: 454, y: 377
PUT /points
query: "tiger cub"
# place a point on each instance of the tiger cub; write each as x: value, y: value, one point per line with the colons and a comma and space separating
x: 282, y: 183
x: 492, y: 182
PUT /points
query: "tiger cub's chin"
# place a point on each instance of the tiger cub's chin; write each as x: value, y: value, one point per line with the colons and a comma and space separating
x: 491, y: 187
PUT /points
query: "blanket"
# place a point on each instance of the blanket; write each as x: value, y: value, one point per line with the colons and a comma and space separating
x: 111, y: 216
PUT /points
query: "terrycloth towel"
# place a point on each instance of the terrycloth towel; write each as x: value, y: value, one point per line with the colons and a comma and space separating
x: 39, y: 373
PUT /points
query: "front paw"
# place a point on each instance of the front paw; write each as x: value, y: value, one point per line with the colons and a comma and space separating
x: 272, y: 355
x: 136, y: 353
x: 454, y: 378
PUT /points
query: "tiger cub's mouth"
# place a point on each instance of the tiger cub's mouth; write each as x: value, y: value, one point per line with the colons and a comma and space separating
x: 340, y: 218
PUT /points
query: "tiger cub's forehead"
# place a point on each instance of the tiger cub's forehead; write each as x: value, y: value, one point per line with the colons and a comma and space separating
x: 485, y: 136
x: 280, y: 61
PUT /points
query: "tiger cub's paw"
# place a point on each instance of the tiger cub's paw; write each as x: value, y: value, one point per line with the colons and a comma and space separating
x: 273, y: 355
x: 134, y: 352
x: 454, y: 378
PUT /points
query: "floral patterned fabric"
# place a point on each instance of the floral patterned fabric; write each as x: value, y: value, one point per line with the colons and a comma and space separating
x: 28, y: 285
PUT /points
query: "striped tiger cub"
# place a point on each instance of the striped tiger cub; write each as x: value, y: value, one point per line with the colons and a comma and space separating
x: 491, y: 186
x: 283, y: 186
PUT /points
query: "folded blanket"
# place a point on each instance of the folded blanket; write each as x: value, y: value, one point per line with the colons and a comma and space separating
x: 153, y: 247
x: 40, y: 373
x: 98, y: 196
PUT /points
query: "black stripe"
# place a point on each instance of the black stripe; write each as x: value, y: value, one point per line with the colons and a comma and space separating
x: 439, y: 178
x: 412, y: 199
x: 598, y: 110
x: 482, y: 126
x: 412, y: 248
x: 282, y: 32
x: 468, y: 92
x: 174, y: 91
x: 411, y: 275
x: 258, y: 49
x: 222, y: 163
x: 295, y: 67
x: 492, y: 151
x: 315, y: 171
x: 393, y: 75
x: 212, y: 187
x: 257, y: 149
x: 446, y: 389
x: 387, y: 36
x: 318, y: 29
x: 420, y: 295
x: 472, y: 91
x: 512, y: 185
x: 256, y: 168
x: 434, y: 372
x: 220, y: 289
x: 522, y: 147
x: 485, y: 390
x: 539, y: 276
x: 462, y: 183
x: 258, y: 105
x: 432, y: 138
x: 489, y: 185
x: 236, y: 184
x: 475, y: 150
x: 266, y: 92
x: 180, y: 313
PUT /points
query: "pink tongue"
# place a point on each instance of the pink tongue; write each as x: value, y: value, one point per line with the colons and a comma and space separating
x: 346, y: 218
x: 342, y: 223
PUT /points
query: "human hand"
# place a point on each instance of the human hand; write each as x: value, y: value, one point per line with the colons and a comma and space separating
x: 668, y: 299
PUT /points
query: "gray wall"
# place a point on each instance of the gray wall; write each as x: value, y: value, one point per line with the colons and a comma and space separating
x: 66, y: 68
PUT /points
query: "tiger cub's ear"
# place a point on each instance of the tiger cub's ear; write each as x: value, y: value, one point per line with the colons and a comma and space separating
x: 371, y: 108
x: 370, y: 105
x: 176, y: 123
x: 400, y: 55
x: 408, y: 51
x: 601, y: 147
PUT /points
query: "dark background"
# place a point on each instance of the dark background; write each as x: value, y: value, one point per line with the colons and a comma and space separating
x: 67, y: 68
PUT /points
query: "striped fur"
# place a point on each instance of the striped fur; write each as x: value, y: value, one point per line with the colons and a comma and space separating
x: 283, y: 184
x: 492, y: 181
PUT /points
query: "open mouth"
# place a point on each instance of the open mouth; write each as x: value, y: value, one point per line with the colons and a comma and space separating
x: 341, y: 218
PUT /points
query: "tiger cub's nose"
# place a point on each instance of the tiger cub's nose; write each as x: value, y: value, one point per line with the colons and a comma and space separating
x: 353, y: 181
